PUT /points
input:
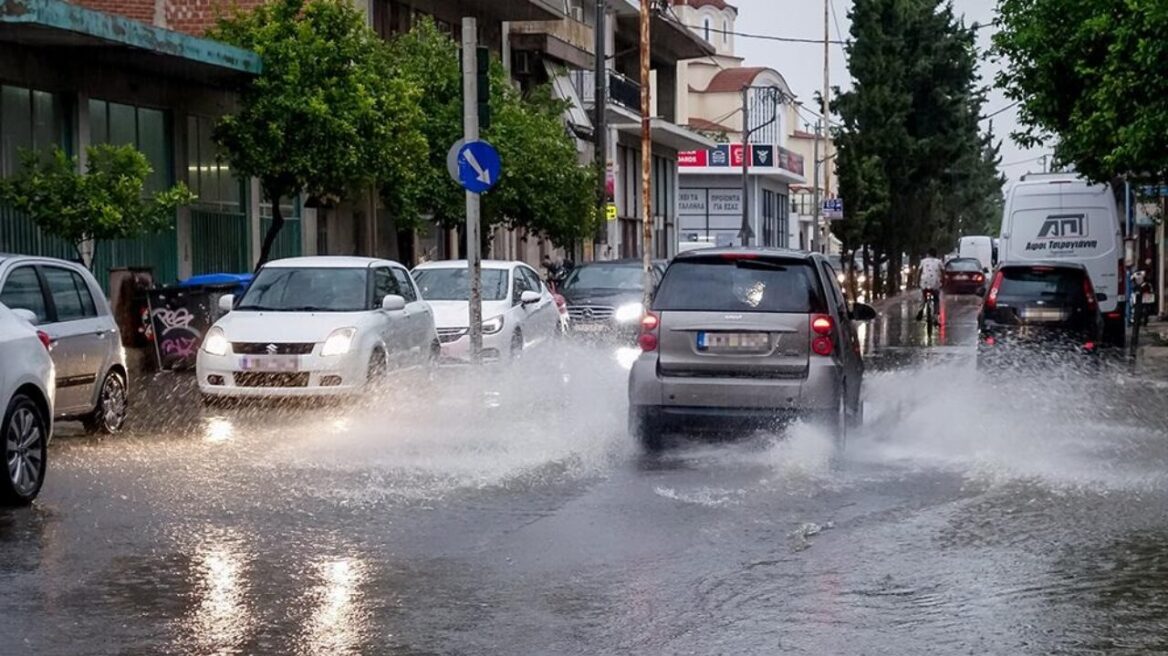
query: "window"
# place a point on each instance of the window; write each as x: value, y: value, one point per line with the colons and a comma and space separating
x: 208, y: 177
x: 452, y: 284
x: 23, y: 291
x: 29, y: 119
x: 706, y: 29
x: 405, y: 285
x: 384, y: 284
x: 519, y: 284
x: 71, y: 297
x: 769, y: 219
x: 716, y: 284
x: 141, y: 127
x: 277, y: 289
x: 726, y: 32
x: 532, y: 279
x: 837, y: 294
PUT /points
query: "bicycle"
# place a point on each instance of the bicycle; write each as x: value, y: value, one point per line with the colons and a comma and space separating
x: 931, y: 309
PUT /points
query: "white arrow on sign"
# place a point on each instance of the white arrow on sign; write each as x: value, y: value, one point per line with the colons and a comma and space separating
x: 483, y: 175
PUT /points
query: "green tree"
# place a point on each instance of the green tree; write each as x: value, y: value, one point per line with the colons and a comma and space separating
x: 330, y: 115
x: 1088, y: 76
x: 106, y: 201
x: 543, y: 189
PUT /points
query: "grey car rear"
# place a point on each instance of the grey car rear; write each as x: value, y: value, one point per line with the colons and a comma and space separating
x: 746, y: 337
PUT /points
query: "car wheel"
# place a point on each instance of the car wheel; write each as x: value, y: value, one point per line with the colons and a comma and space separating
x: 378, y: 369
x: 838, y: 422
x: 644, y: 427
x: 112, y: 404
x: 516, y: 345
x: 24, y: 440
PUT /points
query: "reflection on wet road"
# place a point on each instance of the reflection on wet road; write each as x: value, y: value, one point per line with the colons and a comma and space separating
x: 509, y: 513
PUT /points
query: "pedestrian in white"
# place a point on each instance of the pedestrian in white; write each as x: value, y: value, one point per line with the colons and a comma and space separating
x: 931, y: 272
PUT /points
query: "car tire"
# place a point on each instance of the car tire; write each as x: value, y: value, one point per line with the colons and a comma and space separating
x: 378, y: 369
x: 113, y: 402
x: 24, y: 439
x: 516, y: 345
x: 644, y: 427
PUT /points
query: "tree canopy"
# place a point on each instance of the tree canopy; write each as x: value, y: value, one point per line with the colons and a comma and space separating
x: 107, y: 201
x: 1088, y: 76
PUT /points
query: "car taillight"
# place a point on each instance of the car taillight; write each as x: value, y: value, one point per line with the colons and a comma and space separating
x: 1089, y: 292
x: 1088, y: 346
x: 822, y: 341
x: 991, y: 301
x: 648, y: 338
x: 977, y: 277
x: 45, y: 339
x: 989, y: 340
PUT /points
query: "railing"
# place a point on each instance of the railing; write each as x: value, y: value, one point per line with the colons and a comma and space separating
x: 621, y: 90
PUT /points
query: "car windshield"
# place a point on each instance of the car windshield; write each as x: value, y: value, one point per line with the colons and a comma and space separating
x: 451, y: 284
x: 308, y: 290
x: 963, y: 265
x: 624, y: 277
x: 1041, y: 283
x: 744, y: 285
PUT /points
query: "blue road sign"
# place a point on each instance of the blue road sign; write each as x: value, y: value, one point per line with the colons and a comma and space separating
x: 478, y: 167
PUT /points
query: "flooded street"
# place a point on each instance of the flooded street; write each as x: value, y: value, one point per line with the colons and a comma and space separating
x: 508, y: 512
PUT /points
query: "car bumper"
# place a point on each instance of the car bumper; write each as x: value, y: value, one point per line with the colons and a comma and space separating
x: 496, y: 347
x: 315, y: 376
x: 963, y: 287
x: 604, y: 331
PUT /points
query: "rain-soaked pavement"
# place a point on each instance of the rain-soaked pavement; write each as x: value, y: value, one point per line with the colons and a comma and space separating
x: 972, y: 515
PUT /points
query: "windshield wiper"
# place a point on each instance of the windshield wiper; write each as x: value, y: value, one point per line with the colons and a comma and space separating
x: 259, y: 308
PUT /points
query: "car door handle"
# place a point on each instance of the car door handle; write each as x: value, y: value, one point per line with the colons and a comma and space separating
x: 101, y: 334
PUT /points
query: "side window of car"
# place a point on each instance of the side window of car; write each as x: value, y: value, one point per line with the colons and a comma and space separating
x: 71, y: 296
x: 405, y: 285
x: 837, y: 296
x: 384, y: 284
x: 23, y: 291
x: 533, y: 282
x: 518, y: 284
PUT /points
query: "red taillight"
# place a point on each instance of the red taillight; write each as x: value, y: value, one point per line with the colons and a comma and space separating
x: 1089, y: 346
x: 1089, y: 292
x: 1114, y: 316
x: 977, y: 277
x: 991, y: 301
x: 989, y: 340
x: 822, y: 341
x: 648, y: 338
x: 45, y: 339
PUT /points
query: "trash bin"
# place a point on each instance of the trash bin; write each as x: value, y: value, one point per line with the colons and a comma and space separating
x: 217, y: 285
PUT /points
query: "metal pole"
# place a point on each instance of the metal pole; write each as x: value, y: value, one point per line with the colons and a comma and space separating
x: 600, y: 121
x: 818, y: 236
x: 744, y: 233
x: 826, y: 102
x: 646, y: 157
x: 470, y: 129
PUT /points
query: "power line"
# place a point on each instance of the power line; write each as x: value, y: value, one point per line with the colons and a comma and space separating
x: 1025, y: 161
x: 766, y: 37
x: 835, y: 17
x: 999, y: 111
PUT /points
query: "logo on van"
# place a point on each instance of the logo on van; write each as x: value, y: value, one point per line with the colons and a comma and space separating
x: 1058, y: 226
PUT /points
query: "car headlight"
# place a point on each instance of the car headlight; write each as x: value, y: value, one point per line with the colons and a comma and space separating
x: 339, y: 342
x: 629, y: 312
x: 215, y: 343
x: 492, y: 326
x: 841, y: 278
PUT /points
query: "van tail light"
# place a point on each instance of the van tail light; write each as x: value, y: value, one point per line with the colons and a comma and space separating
x: 648, y: 338
x: 1089, y: 292
x: 46, y: 341
x: 991, y: 301
x: 822, y: 338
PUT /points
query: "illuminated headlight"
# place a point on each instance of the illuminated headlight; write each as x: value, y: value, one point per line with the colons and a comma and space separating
x: 629, y: 312
x: 841, y: 278
x: 339, y: 342
x: 215, y: 343
x: 493, y: 326
x: 862, y: 279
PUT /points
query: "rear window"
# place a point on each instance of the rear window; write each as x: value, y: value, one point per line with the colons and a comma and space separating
x: 963, y: 265
x: 1042, y: 283
x: 717, y: 284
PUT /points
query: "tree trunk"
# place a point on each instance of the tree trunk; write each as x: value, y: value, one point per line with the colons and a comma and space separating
x: 273, y: 232
x: 86, y: 250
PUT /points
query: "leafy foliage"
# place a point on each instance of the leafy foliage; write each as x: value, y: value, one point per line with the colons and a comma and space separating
x: 329, y: 114
x: 1089, y: 77
x: 107, y: 201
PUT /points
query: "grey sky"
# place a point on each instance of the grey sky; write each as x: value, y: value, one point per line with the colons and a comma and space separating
x: 802, y: 63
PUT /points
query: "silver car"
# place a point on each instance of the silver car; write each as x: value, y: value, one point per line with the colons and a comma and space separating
x: 747, y: 337
x: 87, y: 351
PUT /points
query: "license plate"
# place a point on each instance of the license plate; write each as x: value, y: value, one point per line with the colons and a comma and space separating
x: 1042, y: 314
x: 589, y: 327
x: 733, y: 342
x: 273, y: 363
x: 961, y: 276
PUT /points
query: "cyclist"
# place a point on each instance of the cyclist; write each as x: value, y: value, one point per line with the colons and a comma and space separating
x: 930, y: 282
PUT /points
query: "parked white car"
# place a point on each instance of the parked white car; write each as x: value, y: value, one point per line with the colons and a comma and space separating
x: 69, y: 306
x: 26, y: 393
x: 518, y: 309
x: 317, y: 326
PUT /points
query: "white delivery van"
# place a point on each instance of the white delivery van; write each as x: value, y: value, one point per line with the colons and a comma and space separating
x: 979, y: 248
x: 1060, y: 216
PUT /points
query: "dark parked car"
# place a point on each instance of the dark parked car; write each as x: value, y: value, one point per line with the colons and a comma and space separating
x: 963, y: 275
x: 605, y: 298
x: 1044, y: 309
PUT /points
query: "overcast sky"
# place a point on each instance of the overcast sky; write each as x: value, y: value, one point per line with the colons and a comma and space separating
x: 802, y: 64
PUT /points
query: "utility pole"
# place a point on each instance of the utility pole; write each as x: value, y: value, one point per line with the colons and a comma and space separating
x: 817, y: 238
x: 600, y: 120
x: 646, y: 156
x: 826, y: 100
x: 745, y: 233
x: 470, y: 129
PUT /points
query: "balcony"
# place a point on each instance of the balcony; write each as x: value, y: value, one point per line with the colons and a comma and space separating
x: 622, y: 91
x: 570, y: 41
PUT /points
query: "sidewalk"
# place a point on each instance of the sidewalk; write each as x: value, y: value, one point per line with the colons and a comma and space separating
x: 1152, y: 355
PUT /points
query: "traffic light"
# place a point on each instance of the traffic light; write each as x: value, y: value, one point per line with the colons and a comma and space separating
x: 483, y: 74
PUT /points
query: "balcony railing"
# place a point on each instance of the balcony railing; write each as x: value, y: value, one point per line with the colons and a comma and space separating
x: 621, y: 90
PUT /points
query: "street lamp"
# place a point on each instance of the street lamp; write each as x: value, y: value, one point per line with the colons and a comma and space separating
x: 776, y: 96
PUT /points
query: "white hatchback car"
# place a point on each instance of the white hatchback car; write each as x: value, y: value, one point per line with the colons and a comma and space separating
x: 518, y: 309
x: 317, y: 326
x: 69, y: 307
x: 26, y: 397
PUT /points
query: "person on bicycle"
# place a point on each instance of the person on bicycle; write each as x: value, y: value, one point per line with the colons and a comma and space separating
x: 931, y: 271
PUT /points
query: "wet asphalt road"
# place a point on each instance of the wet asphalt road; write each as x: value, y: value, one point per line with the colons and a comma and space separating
x: 510, y: 514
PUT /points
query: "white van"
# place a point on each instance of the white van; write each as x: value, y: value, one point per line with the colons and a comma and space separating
x: 1060, y: 216
x: 979, y: 248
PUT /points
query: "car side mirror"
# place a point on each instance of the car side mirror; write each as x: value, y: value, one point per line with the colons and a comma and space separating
x: 393, y: 303
x: 863, y: 312
x: 27, y: 315
x: 227, y: 302
x: 528, y: 297
x: 1101, y: 297
x: 981, y: 291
